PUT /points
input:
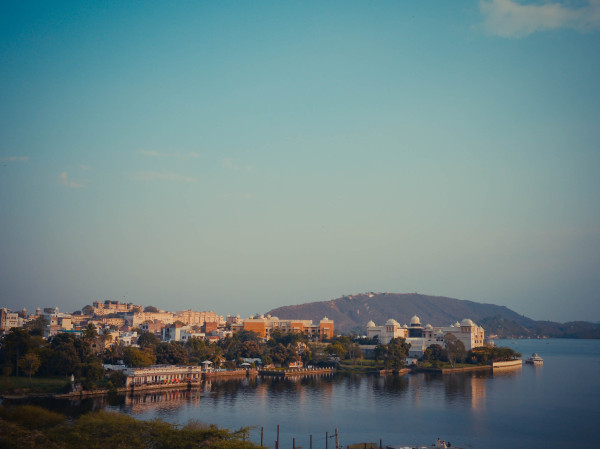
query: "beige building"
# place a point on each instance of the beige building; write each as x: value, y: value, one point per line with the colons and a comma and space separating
x: 421, y: 337
x: 8, y: 319
x: 191, y: 318
x: 108, y: 307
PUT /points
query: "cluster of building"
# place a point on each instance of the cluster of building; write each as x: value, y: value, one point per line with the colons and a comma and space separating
x: 119, y: 323
x: 421, y: 337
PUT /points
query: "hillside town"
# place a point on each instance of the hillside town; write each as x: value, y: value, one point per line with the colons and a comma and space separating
x: 124, y: 322
x: 116, y: 345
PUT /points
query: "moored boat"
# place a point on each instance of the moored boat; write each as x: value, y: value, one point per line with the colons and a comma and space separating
x: 535, y: 359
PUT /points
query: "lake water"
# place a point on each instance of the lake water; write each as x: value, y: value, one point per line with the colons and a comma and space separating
x: 556, y: 405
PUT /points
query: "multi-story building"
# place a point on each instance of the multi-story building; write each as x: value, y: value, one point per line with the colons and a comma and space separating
x: 264, y: 326
x: 109, y: 307
x: 420, y: 338
x: 137, y: 318
x: 8, y: 319
x: 190, y: 317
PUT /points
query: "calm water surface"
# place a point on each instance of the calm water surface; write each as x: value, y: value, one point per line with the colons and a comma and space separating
x: 553, y: 406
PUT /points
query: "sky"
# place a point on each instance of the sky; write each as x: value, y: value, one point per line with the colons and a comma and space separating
x: 240, y: 156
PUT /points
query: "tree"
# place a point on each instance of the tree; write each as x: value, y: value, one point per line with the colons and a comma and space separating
x: 14, y: 346
x: 137, y: 358
x: 30, y: 363
x: 171, y: 354
x: 151, y: 309
x: 393, y: 354
x: 90, y: 332
x: 36, y: 327
x: 87, y: 310
x: 455, y: 349
x: 147, y: 340
x: 435, y: 353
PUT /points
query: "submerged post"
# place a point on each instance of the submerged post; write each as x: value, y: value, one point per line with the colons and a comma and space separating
x: 261, y: 437
x: 277, y: 443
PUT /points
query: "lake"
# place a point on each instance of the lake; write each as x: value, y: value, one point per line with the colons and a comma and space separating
x: 553, y: 406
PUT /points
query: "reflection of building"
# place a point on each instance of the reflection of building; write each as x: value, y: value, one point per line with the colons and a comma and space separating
x: 420, y: 338
x: 265, y: 325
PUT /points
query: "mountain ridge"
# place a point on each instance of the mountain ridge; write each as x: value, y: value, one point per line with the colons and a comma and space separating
x: 352, y: 312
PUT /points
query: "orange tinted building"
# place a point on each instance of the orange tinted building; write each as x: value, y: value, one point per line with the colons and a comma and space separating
x: 265, y: 325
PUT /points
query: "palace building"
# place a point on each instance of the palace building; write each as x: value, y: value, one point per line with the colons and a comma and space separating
x: 421, y: 337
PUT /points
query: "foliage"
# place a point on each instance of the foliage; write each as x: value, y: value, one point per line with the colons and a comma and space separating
x: 151, y: 309
x: 171, y: 354
x: 147, y: 340
x: 393, y: 354
x: 30, y: 363
x: 435, y: 353
x: 489, y: 354
x: 87, y: 310
x: 35, y: 427
x: 36, y: 326
x: 137, y: 358
x: 455, y: 349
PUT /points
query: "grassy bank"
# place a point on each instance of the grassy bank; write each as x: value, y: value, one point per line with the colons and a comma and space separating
x: 33, y: 427
x: 360, y: 366
x: 18, y: 386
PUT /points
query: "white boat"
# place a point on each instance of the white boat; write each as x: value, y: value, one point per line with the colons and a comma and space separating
x: 535, y: 360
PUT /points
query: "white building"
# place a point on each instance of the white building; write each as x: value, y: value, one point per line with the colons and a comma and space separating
x: 420, y: 338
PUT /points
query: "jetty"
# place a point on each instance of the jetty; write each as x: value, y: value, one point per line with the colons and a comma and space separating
x: 287, y: 372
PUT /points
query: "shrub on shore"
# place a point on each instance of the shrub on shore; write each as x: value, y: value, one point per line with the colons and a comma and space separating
x: 103, y: 429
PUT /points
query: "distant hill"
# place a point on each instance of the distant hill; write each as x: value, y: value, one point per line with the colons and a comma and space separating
x: 352, y: 313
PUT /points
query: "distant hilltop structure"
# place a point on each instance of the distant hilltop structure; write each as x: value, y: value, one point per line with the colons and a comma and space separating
x: 421, y: 337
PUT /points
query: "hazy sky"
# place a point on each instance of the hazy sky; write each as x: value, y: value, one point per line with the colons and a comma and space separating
x: 239, y: 156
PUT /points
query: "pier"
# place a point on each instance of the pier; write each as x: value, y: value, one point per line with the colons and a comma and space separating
x: 294, y: 372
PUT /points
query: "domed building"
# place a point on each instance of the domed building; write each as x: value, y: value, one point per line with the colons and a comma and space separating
x: 421, y: 337
x: 391, y: 329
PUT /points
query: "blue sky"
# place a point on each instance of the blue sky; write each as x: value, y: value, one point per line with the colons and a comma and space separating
x: 239, y: 156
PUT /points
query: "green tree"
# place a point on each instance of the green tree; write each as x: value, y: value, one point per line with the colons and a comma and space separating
x: 90, y: 332
x: 36, y: 326
x: 87, y: 310
x: 171, y: 354
x: 455, y: 349
x: 151, y: 309
x: 147, y: 340
x: 137, y: 358
x: 30, y: 363
x: 435, y: 353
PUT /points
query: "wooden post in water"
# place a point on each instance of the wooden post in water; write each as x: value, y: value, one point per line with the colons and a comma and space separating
x: 380, y: 444
x: 337, y: 439
x: 293, y: 443
x: 326, y: 440
x: 261, y: 437
x: 311, y: 442
x: 277, y: 443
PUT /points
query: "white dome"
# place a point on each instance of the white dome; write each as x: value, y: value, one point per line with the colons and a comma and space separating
x: 371, y: 324
x: 429, y: 326
x: 392, y: 322
x: 457, y: 324
x: 467, y: 322
x: 405, y: 326
x: 415, y: 320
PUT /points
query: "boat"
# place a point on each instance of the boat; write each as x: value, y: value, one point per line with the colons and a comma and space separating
x: 535, y: 359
